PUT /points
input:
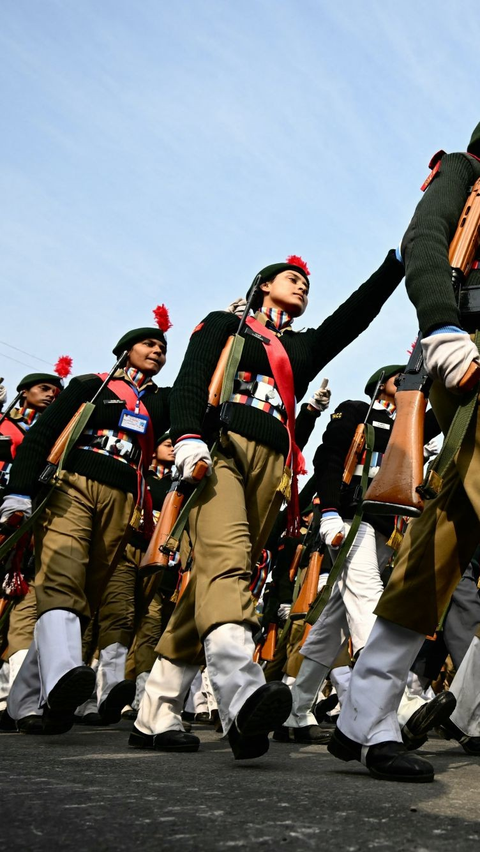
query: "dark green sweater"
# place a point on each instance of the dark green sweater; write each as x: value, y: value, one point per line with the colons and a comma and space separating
x: 426, y: 242
x: 309, y: 351
x: 33, y: 452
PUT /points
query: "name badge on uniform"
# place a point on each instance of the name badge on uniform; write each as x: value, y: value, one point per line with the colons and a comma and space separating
x: 381, y: 425
x: 132, y: 422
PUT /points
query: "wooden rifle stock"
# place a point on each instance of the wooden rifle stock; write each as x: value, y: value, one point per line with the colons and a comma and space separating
x: 297, y: 556
x: 62, y: 440
x: 265, y: 650
x: 157, y: 554
x: 393, y: 491
x: 466, y: 240
x: 354, y: 454
x: 309, y: 587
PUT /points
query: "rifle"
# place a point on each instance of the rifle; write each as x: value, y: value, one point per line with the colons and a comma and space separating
x: 163, y: 540
x: 309, y: 589
x: 266, y: 643
x: 299, y: 551
x: 354, y: 455
x: 60, y: 444
x: 397, y: 489
x: 5, y: 439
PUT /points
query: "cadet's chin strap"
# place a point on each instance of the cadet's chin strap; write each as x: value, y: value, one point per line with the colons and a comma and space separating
x: 11, y: 541
x: 322, y: 598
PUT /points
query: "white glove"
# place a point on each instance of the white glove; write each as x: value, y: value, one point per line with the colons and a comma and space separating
x: 3, y: 395
x: 321, y: 398
x: 447, y: 357
x: 322, y: 581
x: 430, y: 449
x: 332, y: 525
x: 15, y: 503
x: 284, y: 611
x: 188, y: 452
x: 238, y: 307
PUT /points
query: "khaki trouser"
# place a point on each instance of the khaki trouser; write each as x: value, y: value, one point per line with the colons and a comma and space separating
x: 78, y: 539
x: 143, y: 655
x: 228, y: 529
x: 116, y: 614
x: 22, y: 622
x: 439, y: 544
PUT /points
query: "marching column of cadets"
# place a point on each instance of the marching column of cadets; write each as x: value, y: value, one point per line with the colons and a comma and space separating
x: 93, y: 625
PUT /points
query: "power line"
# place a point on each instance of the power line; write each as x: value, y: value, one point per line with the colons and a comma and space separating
x: 24, y: 353
x: 2, y: 354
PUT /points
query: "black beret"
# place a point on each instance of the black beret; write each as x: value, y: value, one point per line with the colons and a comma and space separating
x: 135, y: 336
x: 39, y: 379
x: 390, y: 370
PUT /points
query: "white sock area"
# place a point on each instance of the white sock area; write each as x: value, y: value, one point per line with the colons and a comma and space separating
x: 25, y: 695
x: 340, y: 678
x: 466, y: 689
x: 289, y: 680
x: 165, y: 691
x: 409, y: 704
x: 233, y: 674
x: 111, y: 669
x: 369, y: 712
x: 58, y: 639
x: 304, y: 692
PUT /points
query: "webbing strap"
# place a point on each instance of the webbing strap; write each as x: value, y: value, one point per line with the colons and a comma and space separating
x: 322, y: 598
x: 432, y: 483
x: 77, y: 430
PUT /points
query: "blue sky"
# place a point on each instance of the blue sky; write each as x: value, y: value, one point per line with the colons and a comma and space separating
x: 164, y: 152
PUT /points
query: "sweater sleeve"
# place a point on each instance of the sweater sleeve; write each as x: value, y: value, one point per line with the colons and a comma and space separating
x: 305, y: 424
x: 329, y: 459
x: 189, y: 397
x: 32, y: 453
x: 355, y: 314
x: 426, y: 243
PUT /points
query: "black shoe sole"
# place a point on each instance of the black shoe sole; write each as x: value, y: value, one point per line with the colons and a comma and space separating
x: 110, y: 710
x: 432, y: 717
x: 271, y: 711
x: 409, y: 779
x: 73, y: 689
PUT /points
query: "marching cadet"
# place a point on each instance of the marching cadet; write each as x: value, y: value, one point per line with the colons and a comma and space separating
x: 85, y: 525
x: 439, y: 544
x: 36, y: 392
x: 241, y: 499
x: 124, y: 602
x: 349, y: 612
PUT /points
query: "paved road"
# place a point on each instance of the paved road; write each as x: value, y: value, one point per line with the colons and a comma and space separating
x: 86, y: 791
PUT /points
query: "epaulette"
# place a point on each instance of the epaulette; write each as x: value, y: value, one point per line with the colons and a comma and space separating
x: 434, y: 165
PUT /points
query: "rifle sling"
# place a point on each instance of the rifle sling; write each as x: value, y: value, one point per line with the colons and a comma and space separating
x: 432, y: 483
x: 74, y: 435
x: 322, y: 598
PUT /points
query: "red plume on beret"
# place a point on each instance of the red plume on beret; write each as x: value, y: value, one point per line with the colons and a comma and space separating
x: 63, y: 367
x: 295, y: 260
x: 162, y: 318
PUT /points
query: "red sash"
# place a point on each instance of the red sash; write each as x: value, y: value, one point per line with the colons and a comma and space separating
x: 9, y: 428
x: 283, y: 375
x: 124, y: 391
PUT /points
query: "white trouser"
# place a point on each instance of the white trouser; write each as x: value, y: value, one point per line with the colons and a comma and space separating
x: 4, y: 685
x: 25, y: 695
x: 233, y: 674
x: 340, y: 678
x: 58, y: 639
x: 207, y: 688
x: 164, y: 696
x: 111, y: 669
x: 355, y: 594
x: 369, y: 712
x: 139, y: 689
x: 304, y: 693
x: 195, y: 690
x: 466, y: 689
x: 414, y: 696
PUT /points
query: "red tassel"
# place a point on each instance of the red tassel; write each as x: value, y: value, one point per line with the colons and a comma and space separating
x: 409, y: 351
x: 63, y: 367
x: 162, y: 318
x: 295, y: 260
